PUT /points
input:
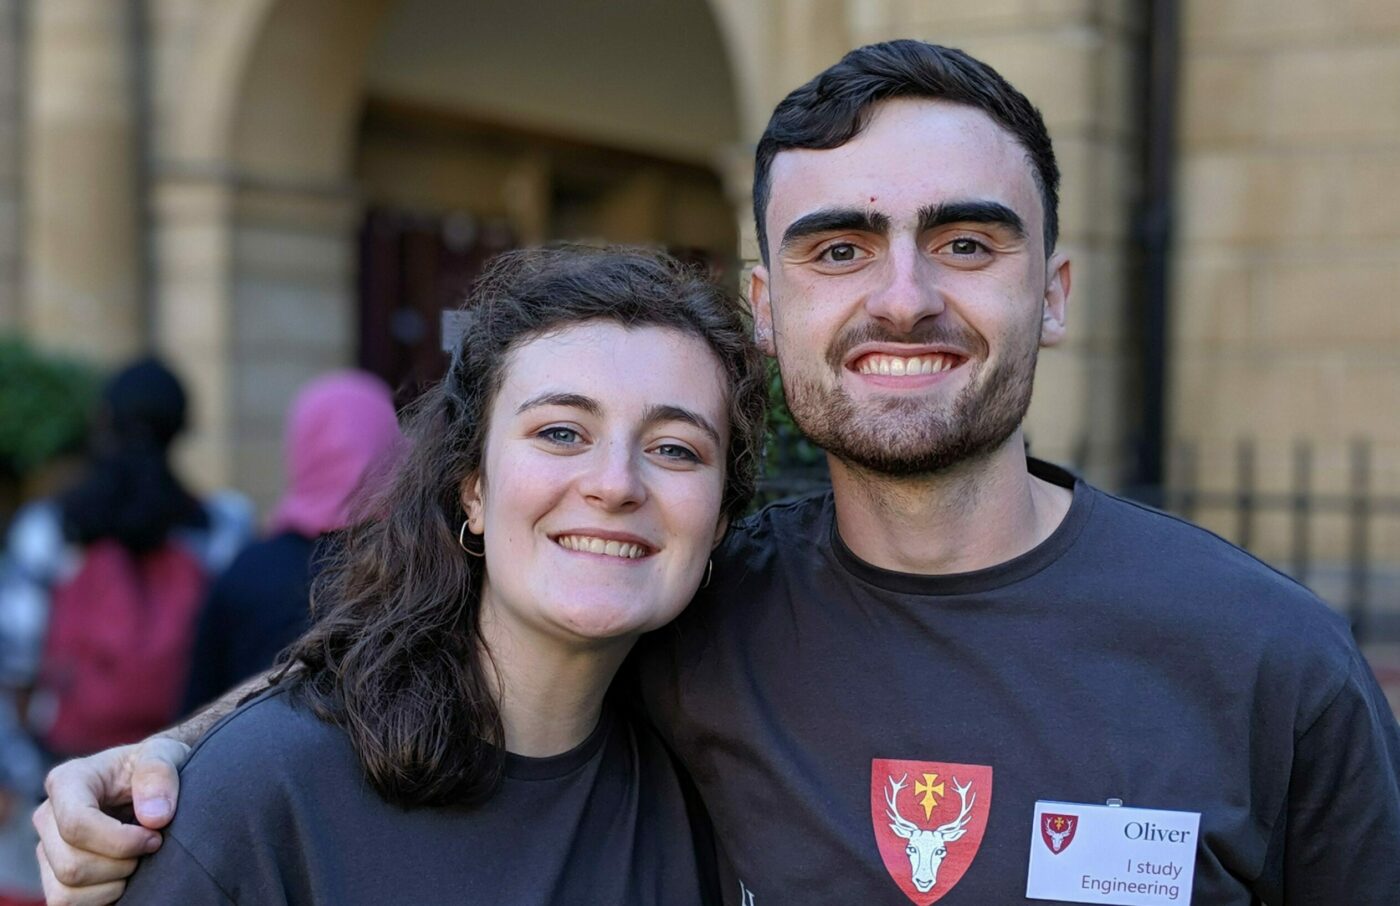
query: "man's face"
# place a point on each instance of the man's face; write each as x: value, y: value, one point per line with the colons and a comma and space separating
x: 908, y: 290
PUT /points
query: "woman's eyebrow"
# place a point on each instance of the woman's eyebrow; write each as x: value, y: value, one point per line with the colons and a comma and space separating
x: 568, y: 400
x: 662, y: 413
x: 654, y: 414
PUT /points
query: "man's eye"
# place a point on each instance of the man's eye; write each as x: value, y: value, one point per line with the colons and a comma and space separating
x: 843, y: 252
x: 559, y: 435
x: 966, y: 247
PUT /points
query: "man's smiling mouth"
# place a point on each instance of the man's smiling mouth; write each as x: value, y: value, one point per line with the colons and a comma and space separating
x: 893, y: 365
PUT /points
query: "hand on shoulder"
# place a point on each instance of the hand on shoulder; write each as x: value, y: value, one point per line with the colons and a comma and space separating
x: 85, y: 853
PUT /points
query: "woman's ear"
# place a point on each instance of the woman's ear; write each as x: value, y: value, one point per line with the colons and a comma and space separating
x: 720, y: 530
x: 470, y: 495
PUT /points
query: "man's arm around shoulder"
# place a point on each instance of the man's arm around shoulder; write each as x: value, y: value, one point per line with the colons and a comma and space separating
x: 86, y: 854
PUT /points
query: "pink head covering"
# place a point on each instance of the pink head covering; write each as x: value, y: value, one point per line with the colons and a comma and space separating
x: 341, y: 427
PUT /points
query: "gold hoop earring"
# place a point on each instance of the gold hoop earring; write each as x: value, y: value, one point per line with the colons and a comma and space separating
x: 709, y: 574
x: 462, y: 542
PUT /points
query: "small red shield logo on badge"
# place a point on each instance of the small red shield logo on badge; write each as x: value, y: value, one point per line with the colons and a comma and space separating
x: 929, y: 818
x: 1058, y: 831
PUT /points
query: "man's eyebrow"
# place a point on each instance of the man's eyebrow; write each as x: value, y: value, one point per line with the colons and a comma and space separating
x: 993, y: 213
x: 568, y: 400
x: 831, y: 220
x: 663, y: 413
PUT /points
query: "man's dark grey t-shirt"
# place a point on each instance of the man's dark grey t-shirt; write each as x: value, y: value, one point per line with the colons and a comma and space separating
x: 274, y: 811
x: 1130, y: 656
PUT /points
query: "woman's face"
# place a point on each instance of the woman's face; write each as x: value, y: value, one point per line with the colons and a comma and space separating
x: 603, y: 476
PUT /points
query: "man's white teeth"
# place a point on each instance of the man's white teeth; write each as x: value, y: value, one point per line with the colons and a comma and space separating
x: 590, y: 545
x: 899, y: 365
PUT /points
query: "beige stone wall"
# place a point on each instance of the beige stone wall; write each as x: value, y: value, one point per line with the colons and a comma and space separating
x: 256, y: 107
x: 1074, y: 60
x: 1287, y: 244
x: 577, y: 76
x: 257, y: 283
x: 11, y: 163
x: 1286, y: 321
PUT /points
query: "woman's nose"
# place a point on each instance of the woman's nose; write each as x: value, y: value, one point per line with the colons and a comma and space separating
x: 614, y: 480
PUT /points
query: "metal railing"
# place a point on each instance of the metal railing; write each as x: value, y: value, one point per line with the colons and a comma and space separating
x: 1360, y: 583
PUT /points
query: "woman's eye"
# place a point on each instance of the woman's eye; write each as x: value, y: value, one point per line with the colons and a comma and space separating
x: 677, y: 452
x: 559, y: 435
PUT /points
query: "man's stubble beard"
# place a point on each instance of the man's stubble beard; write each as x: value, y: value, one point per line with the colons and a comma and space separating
x: 906, y: 437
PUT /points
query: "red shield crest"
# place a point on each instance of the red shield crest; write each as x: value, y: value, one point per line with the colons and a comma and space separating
x: 929, y: 818
x: 1058, y: 831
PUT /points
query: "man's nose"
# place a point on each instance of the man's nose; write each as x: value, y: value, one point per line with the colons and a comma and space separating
x: 908, y: 293
x: 613, y: 479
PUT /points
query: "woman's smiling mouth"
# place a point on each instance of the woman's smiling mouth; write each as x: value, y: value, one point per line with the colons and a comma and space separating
x: 608, y: 547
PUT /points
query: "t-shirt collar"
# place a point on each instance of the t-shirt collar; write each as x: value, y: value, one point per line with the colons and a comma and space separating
x: 1002, y: 574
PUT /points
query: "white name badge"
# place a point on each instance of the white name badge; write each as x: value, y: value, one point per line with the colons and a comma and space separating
x: 1112, y: 854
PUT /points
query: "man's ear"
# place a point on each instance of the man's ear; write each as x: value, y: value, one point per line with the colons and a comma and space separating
x: 761, y: 304
x: 1055, y: 307
x: 470, y: 495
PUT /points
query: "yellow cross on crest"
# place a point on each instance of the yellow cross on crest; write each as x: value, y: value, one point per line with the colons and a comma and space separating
x: 928, y: 788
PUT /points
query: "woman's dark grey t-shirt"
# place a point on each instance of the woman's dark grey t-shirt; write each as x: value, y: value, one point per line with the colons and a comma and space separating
x: 274, y: 810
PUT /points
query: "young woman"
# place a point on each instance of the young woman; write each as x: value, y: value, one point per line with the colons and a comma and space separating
x: 443, y: 734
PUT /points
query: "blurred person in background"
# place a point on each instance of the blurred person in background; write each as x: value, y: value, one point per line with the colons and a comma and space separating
x: 341, y: 432
x: 99, y: 589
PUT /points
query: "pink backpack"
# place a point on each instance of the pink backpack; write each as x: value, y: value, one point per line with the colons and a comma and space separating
x: 117, y: 651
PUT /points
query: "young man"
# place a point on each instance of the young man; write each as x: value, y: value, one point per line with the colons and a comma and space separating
x: 962, y: 676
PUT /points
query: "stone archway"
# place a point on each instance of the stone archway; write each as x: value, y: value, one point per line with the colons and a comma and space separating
x: 255, y: 210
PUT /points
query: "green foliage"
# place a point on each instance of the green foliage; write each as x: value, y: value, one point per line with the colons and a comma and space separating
x: 45, y: 401
x: 788, y: 450
x: 793, y: 465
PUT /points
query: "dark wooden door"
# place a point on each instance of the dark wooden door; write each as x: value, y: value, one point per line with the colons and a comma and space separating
x: 413, y: 267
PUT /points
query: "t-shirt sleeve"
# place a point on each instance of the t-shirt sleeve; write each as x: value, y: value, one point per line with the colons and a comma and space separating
x: 172, y: 875
x: 1339, y: 837
x: 243, y: 797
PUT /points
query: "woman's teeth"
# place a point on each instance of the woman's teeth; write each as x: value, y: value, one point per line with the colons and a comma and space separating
x: 589, y: 545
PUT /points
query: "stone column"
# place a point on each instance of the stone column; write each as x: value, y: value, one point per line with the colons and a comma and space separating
x: 256, y: 296
x: 82, y: 222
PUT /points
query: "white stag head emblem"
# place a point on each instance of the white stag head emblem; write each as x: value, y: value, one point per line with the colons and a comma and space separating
x: 1057, y: 839
x: 927, y: 848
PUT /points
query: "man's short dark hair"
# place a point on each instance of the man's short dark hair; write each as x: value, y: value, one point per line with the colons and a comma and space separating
x: 834, y: 107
